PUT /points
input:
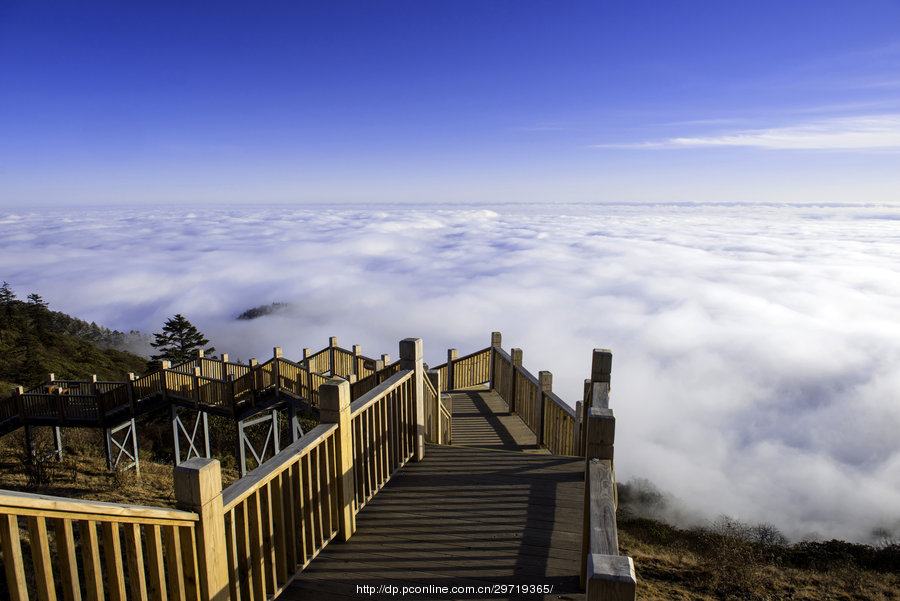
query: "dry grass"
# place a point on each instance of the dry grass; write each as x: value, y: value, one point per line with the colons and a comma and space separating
x: 673, y: 564
x: 82, y: 472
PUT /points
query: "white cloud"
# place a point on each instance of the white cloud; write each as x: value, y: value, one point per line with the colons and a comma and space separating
x: 872, y: 132
x: 755, y: 347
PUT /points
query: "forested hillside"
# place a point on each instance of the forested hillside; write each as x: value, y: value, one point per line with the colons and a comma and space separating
x: 35, y: 341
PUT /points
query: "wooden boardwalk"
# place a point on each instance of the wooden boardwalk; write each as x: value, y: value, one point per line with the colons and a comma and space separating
x: 464, y: 517
x: 482, y: 419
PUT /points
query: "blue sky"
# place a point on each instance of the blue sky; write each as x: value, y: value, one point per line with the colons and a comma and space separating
x: 449, y: 102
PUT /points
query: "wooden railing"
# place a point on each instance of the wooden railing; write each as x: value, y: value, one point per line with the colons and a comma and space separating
x: 604, y: 573
x: 145, y: 551
x: 216, y: 385
x: 281, y: 515
x: 384, y: 433
x: 555, y: 424
x: 464, y: 372
x: 247, y: 542
x: 438, y: 415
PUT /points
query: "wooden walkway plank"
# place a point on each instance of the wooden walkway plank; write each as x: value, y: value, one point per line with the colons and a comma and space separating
x: 481, y: 418
x: 462, y: 517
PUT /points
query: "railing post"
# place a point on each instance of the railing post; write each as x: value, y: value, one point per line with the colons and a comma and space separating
x: 601, y: 373
x: 198, y: 488
x: 601, y: 434
x: 132, y: 398
x: 452, y: 355
x: 576, y: 429
x: 195, y: 380
x: 496, y: 339
x: 411, y: 358
x: 18, y: 392
x: 332, y: 343
x: 516, y: 355
x: 354, y: 363
x: 434, y: 376
x: 276, y: 354
x: 545, y: 380
x: 254, y: 384
x: 334, y: 408
x: 596, y: 390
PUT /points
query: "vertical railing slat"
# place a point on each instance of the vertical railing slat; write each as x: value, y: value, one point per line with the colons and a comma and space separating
x: 156, y: 572
x: 135, y: 555
x: 12, y: 557
x: 68, y: 564
x: 112, y: 553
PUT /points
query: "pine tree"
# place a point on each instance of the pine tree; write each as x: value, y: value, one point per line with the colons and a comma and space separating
x: 178, y: 342
x: 7, y: 296
x: 39, y: 314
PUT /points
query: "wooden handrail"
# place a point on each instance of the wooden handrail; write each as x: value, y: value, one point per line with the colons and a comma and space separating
x: 363, y: 402
x: 23, y: 503
x: 271, y: 469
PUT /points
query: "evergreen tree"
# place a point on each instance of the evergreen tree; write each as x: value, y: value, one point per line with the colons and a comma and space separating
x: 7, y: 296
x: 38, y: 313
x: 178, y: 342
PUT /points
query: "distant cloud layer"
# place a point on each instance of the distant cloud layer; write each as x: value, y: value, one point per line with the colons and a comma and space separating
x: 867, y: 132
x: 756, y: 348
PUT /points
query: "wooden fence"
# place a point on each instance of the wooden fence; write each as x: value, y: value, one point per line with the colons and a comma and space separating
x: 605, y: 574
x: 555, y: 424
x: 247, y: 542
x: 213, y: 385
x: 146, y: 552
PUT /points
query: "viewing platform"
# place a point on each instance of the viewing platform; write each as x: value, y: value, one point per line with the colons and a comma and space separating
x: 472, y: 480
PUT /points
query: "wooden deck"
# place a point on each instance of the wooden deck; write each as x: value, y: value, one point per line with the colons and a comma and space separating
x: 464, y: 517
x: 482, y: 419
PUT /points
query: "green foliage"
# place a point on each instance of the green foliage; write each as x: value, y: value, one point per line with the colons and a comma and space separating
x: 36, y: 341
x: 178, y: 342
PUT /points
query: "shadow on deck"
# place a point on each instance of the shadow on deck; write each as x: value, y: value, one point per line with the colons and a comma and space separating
x: 481, y: 418
x: 464, y: 517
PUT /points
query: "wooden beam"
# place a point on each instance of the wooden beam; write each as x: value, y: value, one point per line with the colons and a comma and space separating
x: 198, y: 488
x: 334, y: 408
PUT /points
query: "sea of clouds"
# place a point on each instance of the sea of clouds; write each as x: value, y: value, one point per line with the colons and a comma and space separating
x: 756, y: 367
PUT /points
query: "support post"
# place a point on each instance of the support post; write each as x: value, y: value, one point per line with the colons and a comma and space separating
x: 452, y: 355
x: 334, y: 408
x: 545, y: 380
x: 411, y: 358
x: 516, y: 356
x: 198, y: 488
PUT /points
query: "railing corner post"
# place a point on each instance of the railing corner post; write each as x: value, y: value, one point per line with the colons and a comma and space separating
x: 411, y: 358
x: 334, y: 408
x: 198, y: 488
